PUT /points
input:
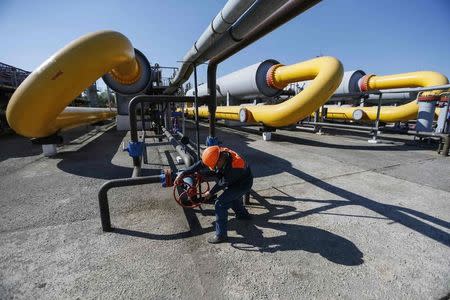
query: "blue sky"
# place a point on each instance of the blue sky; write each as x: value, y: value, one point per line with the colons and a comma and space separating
x: 380, y: 37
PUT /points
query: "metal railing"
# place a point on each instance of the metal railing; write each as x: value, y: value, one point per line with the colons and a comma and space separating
x: 12, y: 76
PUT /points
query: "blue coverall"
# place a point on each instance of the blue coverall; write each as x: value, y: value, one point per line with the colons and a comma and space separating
x: 236, y: 182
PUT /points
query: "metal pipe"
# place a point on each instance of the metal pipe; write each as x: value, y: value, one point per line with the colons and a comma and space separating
x: 259, y: 11
x: 103, y: 195
x: 325, y: 124
x: 288, y: 11
x: 133, y: 119
x: 187, y: 158
x: 197, y: 126
x: 245, y: 84
x: 212, y: 92
x: 191, y: 146
x: 281, y: 16
x: 231, y: 12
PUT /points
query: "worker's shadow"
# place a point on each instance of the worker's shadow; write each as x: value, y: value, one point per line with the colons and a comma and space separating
x: 266, y: 234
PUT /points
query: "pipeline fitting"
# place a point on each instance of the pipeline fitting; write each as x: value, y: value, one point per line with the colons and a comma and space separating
x: 364, y: 83
x: 167, y: 177
x: 134, y: 83
x: 135, y: 149
x: 212, y: 141
x: 270, y: 77
x: 428, y: 98
x: 124, y: 79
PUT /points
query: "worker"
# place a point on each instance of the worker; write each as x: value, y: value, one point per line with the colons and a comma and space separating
x: 233, y: 176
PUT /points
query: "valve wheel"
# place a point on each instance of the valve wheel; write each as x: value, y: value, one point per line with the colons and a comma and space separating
x: 190, y: 195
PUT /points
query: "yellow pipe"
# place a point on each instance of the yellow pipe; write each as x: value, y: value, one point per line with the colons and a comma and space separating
x: 36, y: 108
x: 75, y: 116
x: 393, y: 113
x: 327, y: 73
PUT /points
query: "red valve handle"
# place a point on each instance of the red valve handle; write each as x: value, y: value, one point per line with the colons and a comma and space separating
x: 190, y: 192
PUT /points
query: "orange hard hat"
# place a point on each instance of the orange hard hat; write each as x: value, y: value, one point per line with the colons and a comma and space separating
x: 210, y: 156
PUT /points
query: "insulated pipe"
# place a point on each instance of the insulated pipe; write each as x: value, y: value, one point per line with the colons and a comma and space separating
x: 392, y: 113
x: 254, y: 16
x: 327, y: 73
x: 36, y: 109
x: 247, y: 83
x: 288, y: 11
x: 76, y: 116
x: 232, y: 10
x: 260, y: 11
x: 349, y: 89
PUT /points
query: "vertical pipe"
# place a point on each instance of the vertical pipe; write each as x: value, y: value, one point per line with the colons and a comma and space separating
x: 377, y: 122
x: 212, y: 91
x: 183, y: 119
x: 134, y: 135
x: 143, y: 119
x: 197, y: 127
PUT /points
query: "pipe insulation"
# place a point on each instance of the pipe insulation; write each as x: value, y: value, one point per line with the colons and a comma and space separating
x: 232, y: 10
x: 244, y: 84
x: 213, y: 43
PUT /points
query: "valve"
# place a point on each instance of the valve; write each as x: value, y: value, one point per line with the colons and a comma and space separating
x: 134, y: 149
x: 189, y: 192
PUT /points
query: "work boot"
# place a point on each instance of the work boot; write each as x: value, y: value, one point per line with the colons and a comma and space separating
x: 217, y: 239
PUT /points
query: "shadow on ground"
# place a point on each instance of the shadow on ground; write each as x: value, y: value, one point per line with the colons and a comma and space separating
x: 94, y: 159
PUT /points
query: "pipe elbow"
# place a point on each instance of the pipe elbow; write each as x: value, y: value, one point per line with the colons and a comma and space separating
x: 37, y: 103
x: 431, y: 78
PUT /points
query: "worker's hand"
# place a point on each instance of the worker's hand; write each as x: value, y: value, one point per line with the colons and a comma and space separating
x: 177, y: 180
x: 207, y: 195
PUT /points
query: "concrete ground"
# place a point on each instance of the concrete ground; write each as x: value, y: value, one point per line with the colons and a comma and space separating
x: 335, y: 217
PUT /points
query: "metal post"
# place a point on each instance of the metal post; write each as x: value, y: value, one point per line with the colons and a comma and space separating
x: 183, y: 119
x: 212, y: 91
x: 143, y: 134
x: 316, y: 120
x: 197, y: 126
x: 143, y: 119
x: 377, y: 122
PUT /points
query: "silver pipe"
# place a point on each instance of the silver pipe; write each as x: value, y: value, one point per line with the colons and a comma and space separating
x: 232, y: 10
x: 257, y: 14
x: 187, y: 158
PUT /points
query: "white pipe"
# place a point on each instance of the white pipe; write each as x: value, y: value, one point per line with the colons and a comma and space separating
x: 217, y: 43
x: 232, y: 10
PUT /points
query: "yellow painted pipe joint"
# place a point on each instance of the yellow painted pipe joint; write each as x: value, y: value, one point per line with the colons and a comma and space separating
x: 127, y: 73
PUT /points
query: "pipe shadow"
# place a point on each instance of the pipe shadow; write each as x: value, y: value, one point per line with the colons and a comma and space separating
x: 15, y: 146
x: 94, y: 159
x: 273, y: 165
x: 408, y: 145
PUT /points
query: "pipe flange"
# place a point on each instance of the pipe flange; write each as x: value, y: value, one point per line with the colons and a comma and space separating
x: 444, y: 98
x: 428, y: 98
x: 271, y: 76
x: 121, y: 80
x: 134, y: 86
x: 364, y: 84
x: 358, y: 114
x: 243, y: 115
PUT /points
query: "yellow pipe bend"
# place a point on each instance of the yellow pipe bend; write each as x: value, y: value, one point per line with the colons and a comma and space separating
x: 36, y: 107
x: 327, y: 73
x: 393, y: 113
